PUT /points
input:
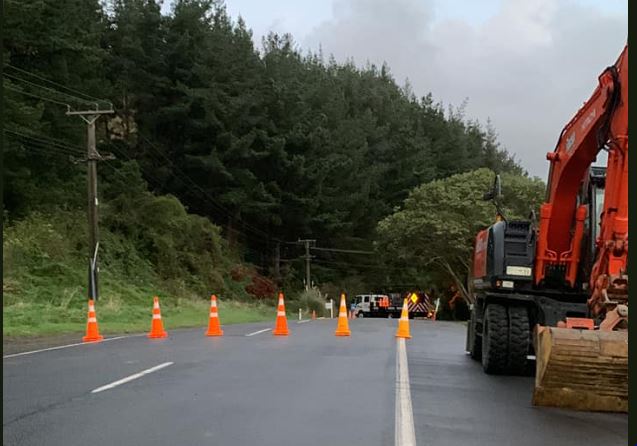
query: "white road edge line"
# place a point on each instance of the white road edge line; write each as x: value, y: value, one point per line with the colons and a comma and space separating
x: 257, y: 332
x: 132, y: 377
x: 69, y: 345
x: 303, y: 322
x: 405, y: 434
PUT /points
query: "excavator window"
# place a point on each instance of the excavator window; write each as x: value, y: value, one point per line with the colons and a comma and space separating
x: 598, y: 205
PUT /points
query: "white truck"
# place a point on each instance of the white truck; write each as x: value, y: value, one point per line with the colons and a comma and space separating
x: 390, y: 305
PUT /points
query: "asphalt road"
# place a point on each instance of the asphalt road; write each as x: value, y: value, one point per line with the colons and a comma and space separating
x: 310, y: 388
x: 455, y: 403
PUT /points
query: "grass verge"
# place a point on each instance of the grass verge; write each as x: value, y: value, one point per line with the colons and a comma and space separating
x: 37, y: 319
x: 38, y: 309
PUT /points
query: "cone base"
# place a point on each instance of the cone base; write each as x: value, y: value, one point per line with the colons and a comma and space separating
x: 158, y: 335
x: 343, y: 333
x: 92, y: 338
x: 403, y: 336
x: 215, y: 333
x: 280, y: 332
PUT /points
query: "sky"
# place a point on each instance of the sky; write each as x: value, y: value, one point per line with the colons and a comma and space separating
x: 524, y: 65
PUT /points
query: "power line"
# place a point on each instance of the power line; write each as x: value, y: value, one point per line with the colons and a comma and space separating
x: 45, y: 140
x: 56, y: 84
x: 267, y: 237
x: 212, y: 200
x: 221, y: 208
x: 36, y: 96
x: 182, y: 176
x: 10, y: 76
x: 183, y: 182
x: 360, y: 265
x: 22, y: 132
x: 123, y: 154
x: 41, y: 149
x: 349, y: 251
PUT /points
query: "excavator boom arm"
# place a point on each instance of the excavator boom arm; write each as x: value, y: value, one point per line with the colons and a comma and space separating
x: 601, y: 123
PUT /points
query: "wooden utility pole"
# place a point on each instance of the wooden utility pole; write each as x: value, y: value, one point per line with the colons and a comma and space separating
x: 307, y: 258
x: 92, y: 157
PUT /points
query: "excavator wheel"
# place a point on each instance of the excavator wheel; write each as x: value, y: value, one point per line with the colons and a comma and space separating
x: 519, y: 341
x: 495, y: 326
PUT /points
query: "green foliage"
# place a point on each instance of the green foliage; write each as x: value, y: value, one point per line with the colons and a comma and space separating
x: 213, y: 134
x: 307, y: 301
x: 435, y: 229
x: 45, y: 272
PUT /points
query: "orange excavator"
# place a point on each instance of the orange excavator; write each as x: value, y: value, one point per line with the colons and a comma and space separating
x: 558, y: 288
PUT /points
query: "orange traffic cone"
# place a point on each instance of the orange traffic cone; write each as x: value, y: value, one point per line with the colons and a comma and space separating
x: 214, y: 326
x: 313, y: 315
x: 342, y: 328
x: 157, y: 327
x: 281, y: 327
x: 92, y: 331
x: 403, y: 323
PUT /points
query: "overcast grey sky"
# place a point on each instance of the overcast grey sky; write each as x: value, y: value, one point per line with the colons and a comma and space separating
x: 527, y: 65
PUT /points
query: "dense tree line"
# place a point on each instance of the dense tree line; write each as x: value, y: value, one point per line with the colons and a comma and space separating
x: 269, y: 143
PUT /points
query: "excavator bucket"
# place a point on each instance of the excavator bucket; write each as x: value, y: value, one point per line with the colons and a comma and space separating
x: 581, y: 369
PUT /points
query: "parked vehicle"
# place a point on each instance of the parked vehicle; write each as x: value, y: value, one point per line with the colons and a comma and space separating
x: 390, y: 305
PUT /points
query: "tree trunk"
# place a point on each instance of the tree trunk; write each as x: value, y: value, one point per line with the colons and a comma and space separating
x: 277, y: 264
x: 231, y: 230
x: 457, y: 280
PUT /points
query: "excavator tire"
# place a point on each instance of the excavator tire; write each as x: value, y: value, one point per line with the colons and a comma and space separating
x: 495, y: 329
x: 581, y: 369
x: 519, y: 341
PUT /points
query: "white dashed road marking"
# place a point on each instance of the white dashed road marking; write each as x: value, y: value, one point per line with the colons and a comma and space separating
x: 132, y: 377
x: 257, y: 332
x: 67, y: 346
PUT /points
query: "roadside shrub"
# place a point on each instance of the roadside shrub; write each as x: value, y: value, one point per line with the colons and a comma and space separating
x: 36, y: 241
x: 257, y: 286
x: 312, y: 300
